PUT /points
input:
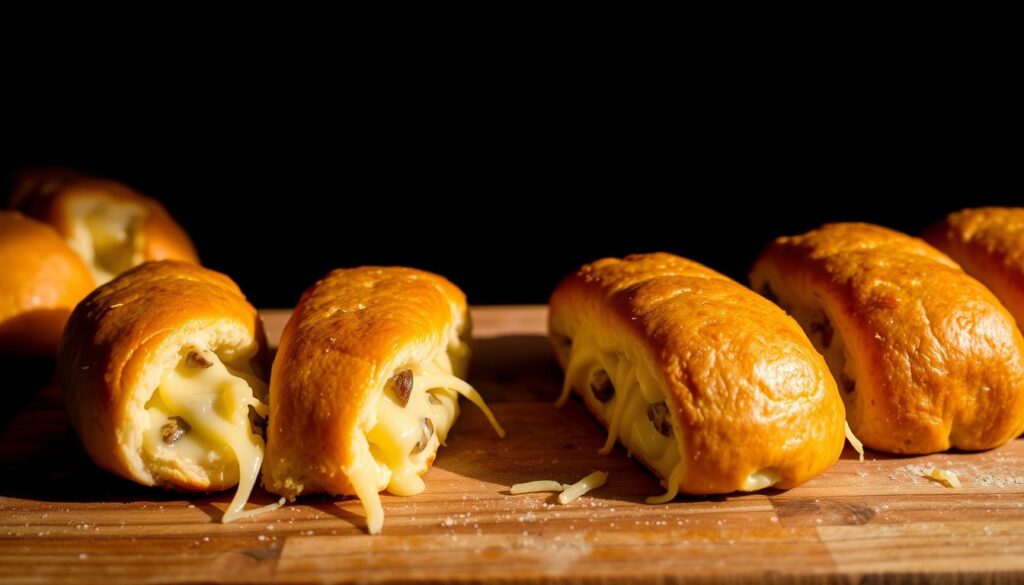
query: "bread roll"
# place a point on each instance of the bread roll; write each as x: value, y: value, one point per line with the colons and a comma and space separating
x: 926, y: 358
x: 712, y: 387
x: 365, y: 385
x: 111, y: 226
x: 162, y: 371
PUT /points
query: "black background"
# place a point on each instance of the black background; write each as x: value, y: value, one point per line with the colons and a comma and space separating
x: 505, y: 190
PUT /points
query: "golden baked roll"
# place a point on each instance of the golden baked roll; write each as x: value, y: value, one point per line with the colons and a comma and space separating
x: 926, y: 357
x: 41, y: 281
x: 111, y: 226
x: 706, y: 383
x: 162, y: 373
x: 988, y: 243
x: 365, y: 385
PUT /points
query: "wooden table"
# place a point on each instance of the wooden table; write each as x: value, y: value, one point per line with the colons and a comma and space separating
x: 62, y: 519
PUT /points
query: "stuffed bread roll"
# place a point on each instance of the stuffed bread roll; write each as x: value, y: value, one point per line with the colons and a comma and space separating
x: 926, y: 357
x: 111, y: 226
x: 988, y: 243
x: 365, y: 385
x: 706, y: 383
x: 41, y: 281
x: 161, y: 370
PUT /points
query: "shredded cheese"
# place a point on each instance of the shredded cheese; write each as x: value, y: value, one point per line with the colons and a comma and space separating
x: 543, y: 485
x: 854, y: 442
x: 587, y: 484
x: 401, y: 440
x: 946, y: 477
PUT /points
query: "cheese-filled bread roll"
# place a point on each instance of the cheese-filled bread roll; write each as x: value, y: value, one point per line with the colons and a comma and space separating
x: 162, y: 371
x: 988, y: 243
x: 926, y: 358
x: 111, y: 226
x: 41, y: 281
x: 365, y: 385
x: 709, y: 385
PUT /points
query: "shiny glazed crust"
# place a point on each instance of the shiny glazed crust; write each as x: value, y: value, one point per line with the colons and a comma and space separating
x: 988, y: 243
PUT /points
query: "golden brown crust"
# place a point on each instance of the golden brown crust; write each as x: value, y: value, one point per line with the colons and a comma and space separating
x: 46, y: 194
x: 41, y: 281
x: 333, y: 360
x: 988, y: 243
x: 748, y: 390
x: 936, y: 359
x: 125, y: 331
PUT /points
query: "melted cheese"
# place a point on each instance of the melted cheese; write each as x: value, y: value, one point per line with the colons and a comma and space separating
x: 388, y: 456
x: 625, y: 414
x: 215, y: 402
x: 107, y: 236
x: 854, y: 442
x: 587, y: 484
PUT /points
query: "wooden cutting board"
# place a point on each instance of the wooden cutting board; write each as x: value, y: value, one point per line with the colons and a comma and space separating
x: 62, y: 519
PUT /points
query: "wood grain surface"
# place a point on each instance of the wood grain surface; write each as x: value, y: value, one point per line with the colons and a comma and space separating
x: 64, y: 520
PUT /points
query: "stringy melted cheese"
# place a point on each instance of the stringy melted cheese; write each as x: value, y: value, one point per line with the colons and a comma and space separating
x: 625, y: 414
x: 107, y: 236
x: 388, y: 461
x: 215, y: 402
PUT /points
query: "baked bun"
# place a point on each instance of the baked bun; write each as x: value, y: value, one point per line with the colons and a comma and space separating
x: 706, y: 383
x: 925, y: 356
x: 41, y: 281
x: 365, y: 385
x: 111, y: 226
x: 988, y: 243
x: 162, y: 374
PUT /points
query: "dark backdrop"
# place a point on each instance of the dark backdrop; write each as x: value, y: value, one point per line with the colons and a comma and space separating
x: 505, y: 200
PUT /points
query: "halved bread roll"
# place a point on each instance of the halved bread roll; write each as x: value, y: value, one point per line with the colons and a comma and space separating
x: 41, y: 281
x: 365, y: 385
x: 712, y: 387
x: 988, y: 243
x: 926, y: 358
x: 111, y: 226
x: 162, y: 371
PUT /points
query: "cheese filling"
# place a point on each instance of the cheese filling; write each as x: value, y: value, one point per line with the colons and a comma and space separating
x: 411, y: 420
x: 206, y: 414
x: 107, y: 236
x: 630, y: 404
x: 628, y: 399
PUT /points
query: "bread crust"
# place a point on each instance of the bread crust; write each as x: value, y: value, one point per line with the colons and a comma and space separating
x: 346, y: 337
x: 42, y: 281
x: 746, y: 388
x: 123, y: 336
x: 988, y: 243
x: 47, y: 194
x: 937, y: 360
